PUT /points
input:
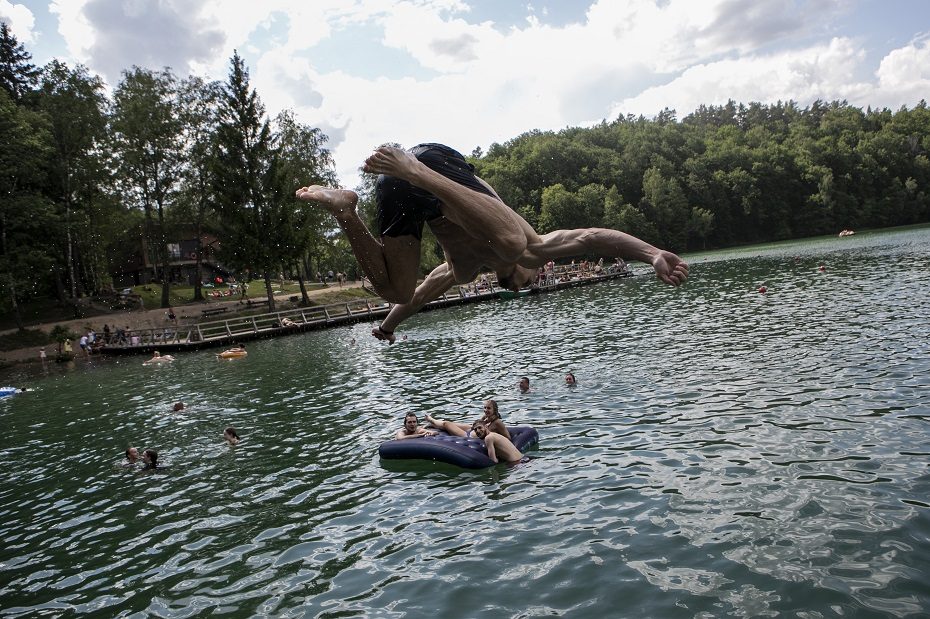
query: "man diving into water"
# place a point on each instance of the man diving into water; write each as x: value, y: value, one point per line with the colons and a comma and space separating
x: 434, y: 184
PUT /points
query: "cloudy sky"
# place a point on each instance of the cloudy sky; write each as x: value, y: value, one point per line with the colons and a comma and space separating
x: 473, y: 72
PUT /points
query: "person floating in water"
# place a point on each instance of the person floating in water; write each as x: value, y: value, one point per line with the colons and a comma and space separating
x: 150, y: 458
x: 412, y: 429
x: 499, y: 448
x: 231, y: 436
x: 157, y: 357
x: 491, y: 419
x: 132, y: 457
x: 433, y: 184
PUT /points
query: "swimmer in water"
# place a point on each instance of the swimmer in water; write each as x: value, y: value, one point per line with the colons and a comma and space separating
x: 499, y: 448
x: 132, y: 457
x: 150, y: 458
x: 157, y: 357
x: 412, y: 429
x: 231, y: 436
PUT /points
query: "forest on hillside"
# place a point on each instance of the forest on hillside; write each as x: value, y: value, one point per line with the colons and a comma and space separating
x: 723, y: 175
x: 89, y: 175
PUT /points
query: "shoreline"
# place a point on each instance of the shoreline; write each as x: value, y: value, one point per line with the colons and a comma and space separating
x: 135, y: 320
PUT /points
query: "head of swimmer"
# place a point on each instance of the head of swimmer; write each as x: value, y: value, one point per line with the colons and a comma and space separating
x: 516, y: 277
x: 230, y: 435
x: 150, y: 457
x: 490, y: 411
x: 410, y: 422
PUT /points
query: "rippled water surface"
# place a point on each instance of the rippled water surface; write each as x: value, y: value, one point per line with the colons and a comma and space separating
x: 725, y: 453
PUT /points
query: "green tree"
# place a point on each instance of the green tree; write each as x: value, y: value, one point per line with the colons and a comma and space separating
x: 18, y: 76
x: 665, y: 203
x: 147, y: 132
x: 198, y: 109
x: 299, y: 159
x: 75, y: 104
x: 24, y: 212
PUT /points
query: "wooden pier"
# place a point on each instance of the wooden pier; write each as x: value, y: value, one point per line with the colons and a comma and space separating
x: 239, y: 329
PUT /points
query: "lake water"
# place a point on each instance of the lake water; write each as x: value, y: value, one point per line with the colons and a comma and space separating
x: 725, y: 453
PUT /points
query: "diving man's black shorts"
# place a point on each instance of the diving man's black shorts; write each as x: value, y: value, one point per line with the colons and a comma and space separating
x: 402, y: 208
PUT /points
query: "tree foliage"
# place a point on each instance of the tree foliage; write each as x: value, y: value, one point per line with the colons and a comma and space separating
x: 724, y: 175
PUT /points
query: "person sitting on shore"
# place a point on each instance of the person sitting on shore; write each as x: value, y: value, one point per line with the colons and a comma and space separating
x: 287, y: 322
x: 231, y: 436
x: 499, y: 448
x: 412, y: 429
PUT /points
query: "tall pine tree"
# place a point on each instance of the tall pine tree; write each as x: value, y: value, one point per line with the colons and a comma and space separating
x: 18, y: 76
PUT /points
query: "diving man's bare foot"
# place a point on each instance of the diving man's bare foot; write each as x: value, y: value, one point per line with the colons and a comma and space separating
x: 393, y: 162
x: 383, y: 335
x: 339, y: 202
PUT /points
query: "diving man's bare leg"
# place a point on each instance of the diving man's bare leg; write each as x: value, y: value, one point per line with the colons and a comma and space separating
x: 391, y: 265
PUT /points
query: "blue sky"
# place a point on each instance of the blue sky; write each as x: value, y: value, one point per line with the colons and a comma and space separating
x: 473, y: 72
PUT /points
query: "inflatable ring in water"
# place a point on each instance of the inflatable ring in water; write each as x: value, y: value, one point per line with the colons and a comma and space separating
x: 468, y: 453
x: 232, y: 354
x: 5, y: 391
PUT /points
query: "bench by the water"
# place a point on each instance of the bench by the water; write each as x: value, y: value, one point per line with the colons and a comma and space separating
x: 214, y: 311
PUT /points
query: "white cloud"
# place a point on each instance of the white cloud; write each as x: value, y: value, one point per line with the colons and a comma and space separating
x: 468, y: 82
x: 74, y: 28
x: 820, y: 72
x: 904, y: 76
x: 20, y: 20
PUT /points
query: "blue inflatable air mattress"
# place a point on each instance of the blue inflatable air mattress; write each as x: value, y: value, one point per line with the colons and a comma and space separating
x: 468, y: 453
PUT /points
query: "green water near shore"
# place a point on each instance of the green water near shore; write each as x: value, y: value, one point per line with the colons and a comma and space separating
x: 725, y: 453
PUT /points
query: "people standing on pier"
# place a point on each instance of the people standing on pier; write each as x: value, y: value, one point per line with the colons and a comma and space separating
x: 434, y: 184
